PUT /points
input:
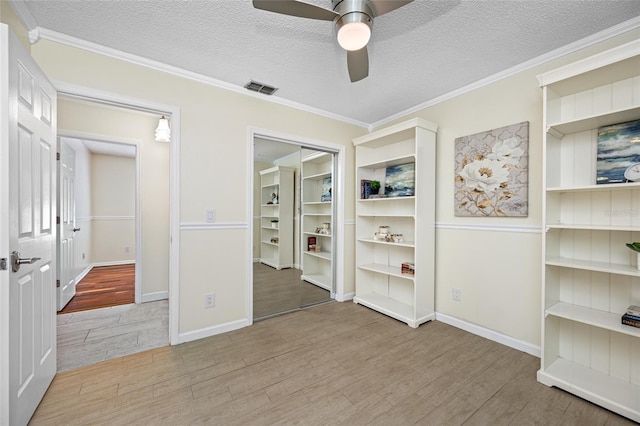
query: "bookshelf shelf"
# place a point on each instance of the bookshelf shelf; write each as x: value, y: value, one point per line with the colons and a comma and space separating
x: 590, y: 277
x: 278, y: 180
x: 317, y: 211
x: 380, y: 283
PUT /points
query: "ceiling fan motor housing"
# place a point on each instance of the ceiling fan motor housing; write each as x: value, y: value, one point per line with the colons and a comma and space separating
x: 352, y: 11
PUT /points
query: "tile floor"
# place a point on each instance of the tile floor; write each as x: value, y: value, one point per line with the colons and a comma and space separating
x: 89, y: 337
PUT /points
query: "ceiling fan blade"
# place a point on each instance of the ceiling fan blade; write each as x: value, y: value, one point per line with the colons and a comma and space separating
x: 358, y: 64
x: 296, y: 8
x: 380, y: 7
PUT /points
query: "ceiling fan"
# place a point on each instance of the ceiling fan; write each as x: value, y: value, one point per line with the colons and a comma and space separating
x: 353, y: 20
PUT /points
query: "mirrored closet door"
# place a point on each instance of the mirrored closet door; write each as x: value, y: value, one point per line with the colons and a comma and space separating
x: 293, y: 227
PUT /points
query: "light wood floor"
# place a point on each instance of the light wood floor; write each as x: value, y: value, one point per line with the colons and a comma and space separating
x: 336, y: 363
x: 277, y: 291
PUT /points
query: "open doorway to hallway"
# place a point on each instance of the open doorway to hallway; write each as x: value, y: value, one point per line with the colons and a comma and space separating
x: 118, y: 260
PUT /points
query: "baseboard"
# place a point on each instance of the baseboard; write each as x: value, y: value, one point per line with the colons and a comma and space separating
x: 153, y: 297
x: 212, y: 331
x: 489, y: 334
x: 84, y: 273
x: 345, y: 297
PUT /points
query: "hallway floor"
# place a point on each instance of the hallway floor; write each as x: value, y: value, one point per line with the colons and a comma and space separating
x: 88, y: 337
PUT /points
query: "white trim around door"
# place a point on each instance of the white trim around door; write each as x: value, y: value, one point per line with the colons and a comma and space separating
x: 338, y: 194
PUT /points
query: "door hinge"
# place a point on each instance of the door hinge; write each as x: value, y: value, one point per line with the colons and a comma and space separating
x: 58, y: 156
x: 4, y: 264
x: 57, y: 283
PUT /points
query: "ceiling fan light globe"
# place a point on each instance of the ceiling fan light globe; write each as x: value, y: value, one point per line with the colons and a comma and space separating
x: 354, y: 35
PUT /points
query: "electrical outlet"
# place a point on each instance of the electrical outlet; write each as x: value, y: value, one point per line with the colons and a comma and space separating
x: 209, y: 300
x: 456, y: 293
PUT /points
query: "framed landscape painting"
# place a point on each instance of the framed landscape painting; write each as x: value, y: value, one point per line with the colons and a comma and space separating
x: 618, y: 150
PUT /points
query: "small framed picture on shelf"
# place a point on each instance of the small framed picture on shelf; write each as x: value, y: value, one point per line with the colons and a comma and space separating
x: 326, y: 190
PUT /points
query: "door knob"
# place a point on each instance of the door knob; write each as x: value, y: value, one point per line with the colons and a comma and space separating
x: 76, y: 229
x: 16, y: 261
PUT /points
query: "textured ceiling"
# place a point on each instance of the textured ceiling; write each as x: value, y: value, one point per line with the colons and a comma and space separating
x: 417, y: 53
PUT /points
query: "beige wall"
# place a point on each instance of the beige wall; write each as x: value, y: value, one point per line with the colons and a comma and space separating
x: 498, y: 271
x: 117, y: 124
x: 213, y: 169
x: 9, y: 17
x: 113, y: 207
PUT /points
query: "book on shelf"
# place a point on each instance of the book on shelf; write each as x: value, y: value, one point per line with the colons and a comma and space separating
x: 365, y: 189
x: 631, y: 320
x: 311, y: 243
x: 408, y: 268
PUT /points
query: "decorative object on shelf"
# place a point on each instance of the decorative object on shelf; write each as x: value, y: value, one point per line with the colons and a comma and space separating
x: 274, y: 223
x: 635, y: 247
x: 274, y: 240
x: 375, y: 187
x: 274, y: 198
x: 408, y: 268
x: 618, y: 148
x: 400, y: 180
x: 632, y: 174
x: 326, y: 190
x: 397, y: 238
x: 384, y: 229
x: 492, y: 172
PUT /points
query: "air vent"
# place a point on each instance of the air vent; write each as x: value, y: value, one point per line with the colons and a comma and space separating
x: 260, y: 88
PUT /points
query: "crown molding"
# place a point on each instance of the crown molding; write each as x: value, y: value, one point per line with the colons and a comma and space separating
x: 599, y: 37
x: 47, y: 34
x: 23, y: 12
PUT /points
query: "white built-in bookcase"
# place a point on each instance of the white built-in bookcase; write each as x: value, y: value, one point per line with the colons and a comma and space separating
x: 316, y: 172
x: 380, y: 283
x: 590, y: 277
x: 276, y: 219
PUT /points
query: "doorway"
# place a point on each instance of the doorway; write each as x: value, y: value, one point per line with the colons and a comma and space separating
x: 114, y: 144
x: 293, y: 228
x: 97, y: 205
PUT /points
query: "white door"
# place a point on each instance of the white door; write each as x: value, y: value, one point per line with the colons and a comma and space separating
x: 66, y: 224
x: 27, y: 199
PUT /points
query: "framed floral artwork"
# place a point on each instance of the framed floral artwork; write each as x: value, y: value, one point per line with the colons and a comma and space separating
x: 492, y: 172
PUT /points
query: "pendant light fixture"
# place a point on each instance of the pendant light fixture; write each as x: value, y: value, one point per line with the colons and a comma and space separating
x: 163, y: 132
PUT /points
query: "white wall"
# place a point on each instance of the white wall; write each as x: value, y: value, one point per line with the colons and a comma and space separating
x: 113, y: 207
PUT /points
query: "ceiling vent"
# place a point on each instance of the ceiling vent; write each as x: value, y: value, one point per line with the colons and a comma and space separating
x: 260, y: 88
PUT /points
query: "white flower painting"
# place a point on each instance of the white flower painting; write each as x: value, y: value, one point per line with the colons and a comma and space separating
x: 492, y: 172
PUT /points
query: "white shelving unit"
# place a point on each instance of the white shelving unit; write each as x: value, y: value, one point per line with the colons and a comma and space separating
x: 590, y: 277
x: 380, y: 283
x: 317, y: 176
x: 276, y: 219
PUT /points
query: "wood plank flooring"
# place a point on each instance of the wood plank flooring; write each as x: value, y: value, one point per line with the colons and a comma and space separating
x: 275, y: 292
x: 336, y: 363
x: 102, y: 287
